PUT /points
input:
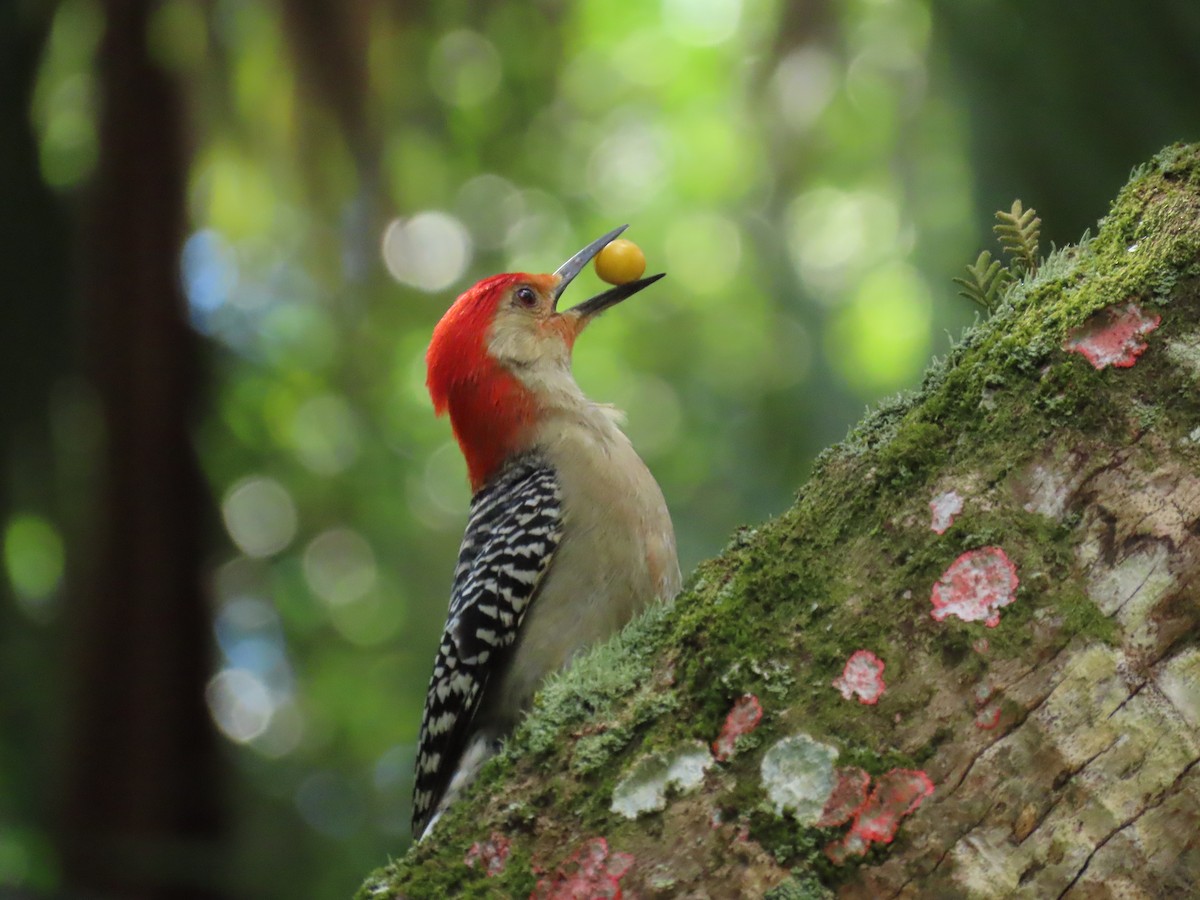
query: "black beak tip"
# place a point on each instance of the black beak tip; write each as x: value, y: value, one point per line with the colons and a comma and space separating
x: 614, y: 295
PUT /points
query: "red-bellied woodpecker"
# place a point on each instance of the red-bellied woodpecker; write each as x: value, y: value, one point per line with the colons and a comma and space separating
x: 568, y: 535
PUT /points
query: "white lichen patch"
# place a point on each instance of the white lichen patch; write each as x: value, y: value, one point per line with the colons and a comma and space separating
x: 944, y: 507
x: 798, y: 776
x: 687, y: 767
x: 1093, y: 765
x: 1184, y: 352
x: 644, y: 789
x: 1179, y: 680
x: 1051, y: 487
x: 1132, y: 588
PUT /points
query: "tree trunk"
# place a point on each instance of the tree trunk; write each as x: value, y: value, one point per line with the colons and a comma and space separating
x: 1025, y: 720
x: 143, y: 815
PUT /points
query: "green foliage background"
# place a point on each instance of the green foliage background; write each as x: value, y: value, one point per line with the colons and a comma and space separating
x: 809, y: 175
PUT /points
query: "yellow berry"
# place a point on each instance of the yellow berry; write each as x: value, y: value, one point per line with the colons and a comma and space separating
x: 620, y: 262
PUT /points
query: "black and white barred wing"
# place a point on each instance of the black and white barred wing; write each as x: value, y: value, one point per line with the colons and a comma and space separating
x: 512, y: 533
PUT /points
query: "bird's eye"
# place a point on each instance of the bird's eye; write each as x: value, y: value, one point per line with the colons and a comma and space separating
x: 525, y: 297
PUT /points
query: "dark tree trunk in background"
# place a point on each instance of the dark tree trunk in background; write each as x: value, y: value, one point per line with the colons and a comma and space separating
x: 142, y: 812
x: 34, y: 315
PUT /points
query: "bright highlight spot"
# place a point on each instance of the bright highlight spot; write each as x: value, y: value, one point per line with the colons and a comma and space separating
x: 543, y: 227
x: 64, y: 104
x: 445, y: 480
x: 464, y: 68
x: 804, y: 83
x: 430, y: 251
x: 627, y: 169
x: 701, y: 23
x: 655, y: 414
x: 833, y: 233
x: 240, y: 704
x: 880, y: 340
x: 324, y: 434
x: 489, y: 205
x: 234, y: 194
x: 259, y: 515
x: 69, y: 146
x: 210, y: 272
x: 34, y: 560
x: 704, y: 251
x: 339, y: 566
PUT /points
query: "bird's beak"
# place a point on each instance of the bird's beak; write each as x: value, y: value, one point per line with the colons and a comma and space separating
x: 589, y: 308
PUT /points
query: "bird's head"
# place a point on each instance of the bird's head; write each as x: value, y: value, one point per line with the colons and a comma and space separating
x: 502, y: 353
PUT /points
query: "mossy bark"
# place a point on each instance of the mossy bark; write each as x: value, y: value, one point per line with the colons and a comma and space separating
x: 1062, y: 743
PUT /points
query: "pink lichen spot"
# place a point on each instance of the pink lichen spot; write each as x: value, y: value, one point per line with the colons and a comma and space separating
x: 743, y: 718
x: 944, y: 508
x: 492, y: 854
x: 895, y: 795
x: 975, y: 586
x: 850, y: 844
x: 862, y: 676
x: 1113, y: 337
x: 589, y: 872
x: 981, y: 646
x: 988, y: 717
x: 848, y: 797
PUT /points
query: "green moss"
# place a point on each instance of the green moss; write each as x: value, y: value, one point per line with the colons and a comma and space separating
x: 912, y: 453
x: 598, y: 682
x: 429, y: 877
x: 790, y: 844
x: 801, y: 886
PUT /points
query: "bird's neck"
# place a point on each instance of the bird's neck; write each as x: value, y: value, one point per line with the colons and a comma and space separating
x: 493, y: 420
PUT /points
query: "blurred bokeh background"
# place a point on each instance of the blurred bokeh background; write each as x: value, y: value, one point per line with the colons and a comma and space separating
x: 227, y: 227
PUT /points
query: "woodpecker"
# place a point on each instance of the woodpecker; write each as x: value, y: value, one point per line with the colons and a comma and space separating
x: 568, y: 534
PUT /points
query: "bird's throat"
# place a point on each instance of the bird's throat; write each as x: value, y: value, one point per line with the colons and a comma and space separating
x: 492, y: 421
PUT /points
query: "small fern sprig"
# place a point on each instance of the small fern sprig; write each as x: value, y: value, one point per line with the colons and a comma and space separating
x: 1019, y: 231
x: 988, y: 280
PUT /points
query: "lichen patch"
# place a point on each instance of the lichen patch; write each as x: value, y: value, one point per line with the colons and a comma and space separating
x: 591, y: 871
x: 1113, y: 336
x: 742, y: 719
x: 944, y: 507
x: 848, y: 797
x: 1179, y: 680
x: 798, y: 777
x: 644, y: 788
x: 1132, y: 587
x: 895, y: 795
x: 976, y: 586
x: 862, y: 677
x: 491, y: 854
x: 1184, y: 352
